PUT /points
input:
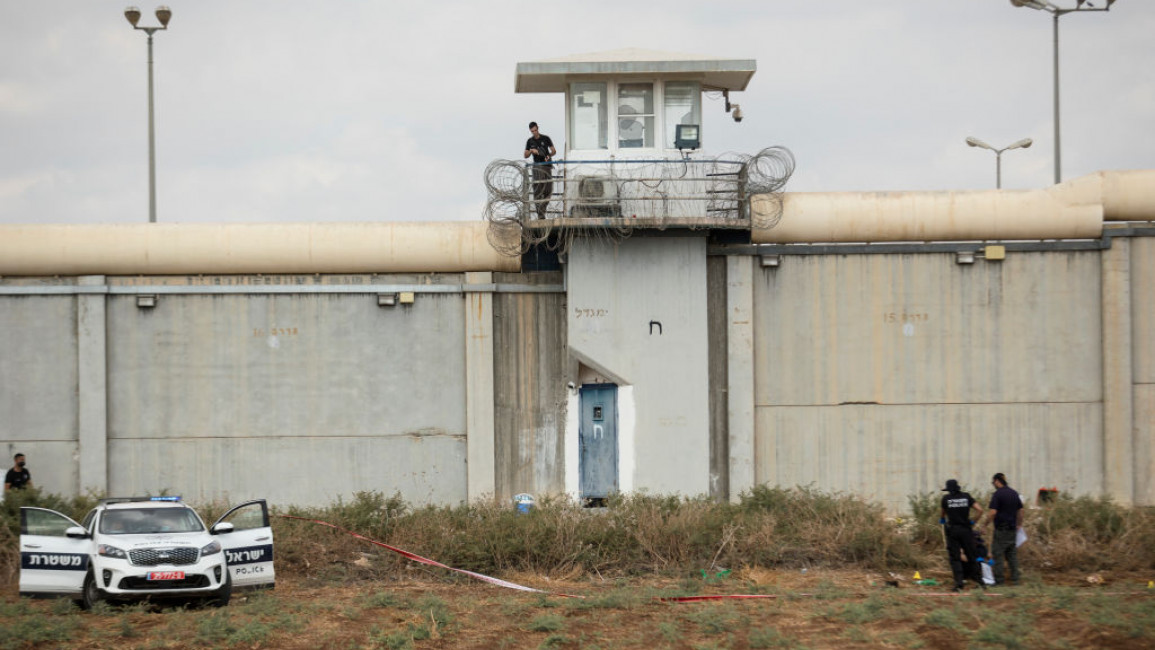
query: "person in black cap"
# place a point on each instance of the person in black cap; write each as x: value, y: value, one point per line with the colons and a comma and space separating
x: 956, y: 517
x: 1006, y: 512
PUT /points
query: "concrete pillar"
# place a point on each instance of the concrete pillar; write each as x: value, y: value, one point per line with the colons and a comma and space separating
x: 740, y: 371
x: 1143, y: 346
x: 479, y: 434
x: 92, y: 388
x: 1118, y: 422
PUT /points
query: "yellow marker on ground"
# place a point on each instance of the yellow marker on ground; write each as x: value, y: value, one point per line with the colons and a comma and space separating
x: 916, y: 576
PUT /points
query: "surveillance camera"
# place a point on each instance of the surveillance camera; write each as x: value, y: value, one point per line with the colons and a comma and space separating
x: 570, y: 386
x: 737, y: 114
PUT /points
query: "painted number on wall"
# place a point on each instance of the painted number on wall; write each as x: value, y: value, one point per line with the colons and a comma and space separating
x: 904, y: 317
x: 590, y: 313
x: 274, y: 331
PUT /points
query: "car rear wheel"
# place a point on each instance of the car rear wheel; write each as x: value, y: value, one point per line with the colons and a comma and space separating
x: 92, y: 593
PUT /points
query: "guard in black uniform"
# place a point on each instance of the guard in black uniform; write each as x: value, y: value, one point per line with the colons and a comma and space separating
x: 541, y: 148
x: 18, y: 477
x: 956, y: 517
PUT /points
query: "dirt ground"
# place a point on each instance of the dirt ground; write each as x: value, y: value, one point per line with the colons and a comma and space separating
x: 812, y: 609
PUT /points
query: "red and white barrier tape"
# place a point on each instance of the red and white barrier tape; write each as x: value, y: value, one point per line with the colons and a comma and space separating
x: 694, y: 599
x: 425, y: 560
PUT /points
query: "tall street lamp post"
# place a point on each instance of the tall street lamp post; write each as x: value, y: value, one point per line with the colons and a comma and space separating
x: 163, y: 14
x: 1056, y: 12
x: 1021, y: 144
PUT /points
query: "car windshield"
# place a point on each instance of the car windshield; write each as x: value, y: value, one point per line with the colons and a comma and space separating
x: 136, y: 521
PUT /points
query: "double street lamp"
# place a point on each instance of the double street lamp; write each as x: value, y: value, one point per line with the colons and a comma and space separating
x: 1021, y: 144
x: 1056, y: 13
x: 163, y: 14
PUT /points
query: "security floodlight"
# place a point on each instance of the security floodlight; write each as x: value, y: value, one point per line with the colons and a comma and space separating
x: 686, y: 137
x: 133, y: 15
x: 163, y: 14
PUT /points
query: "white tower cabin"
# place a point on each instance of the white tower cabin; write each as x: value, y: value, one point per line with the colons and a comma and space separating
x: 633, y: 154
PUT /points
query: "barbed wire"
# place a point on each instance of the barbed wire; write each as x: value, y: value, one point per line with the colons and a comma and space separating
x: 766, y: 174
x: 626, y: 194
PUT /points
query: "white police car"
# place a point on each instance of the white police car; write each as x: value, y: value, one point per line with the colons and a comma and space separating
x: 145, y: 547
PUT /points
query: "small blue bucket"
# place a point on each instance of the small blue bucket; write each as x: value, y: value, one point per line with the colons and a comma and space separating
x: 524, y: 503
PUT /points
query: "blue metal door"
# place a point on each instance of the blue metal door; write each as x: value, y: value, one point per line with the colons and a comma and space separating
x: 598, y: 436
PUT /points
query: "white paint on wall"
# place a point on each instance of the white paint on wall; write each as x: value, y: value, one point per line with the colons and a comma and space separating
x: 627, y: 427
x: 573, y: 417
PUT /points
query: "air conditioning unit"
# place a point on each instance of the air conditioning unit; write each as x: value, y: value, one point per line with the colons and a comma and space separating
x: 597, y: 196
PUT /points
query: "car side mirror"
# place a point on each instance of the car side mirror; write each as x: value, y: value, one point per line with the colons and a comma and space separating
x: 223, y: 527
x: 76, y: 532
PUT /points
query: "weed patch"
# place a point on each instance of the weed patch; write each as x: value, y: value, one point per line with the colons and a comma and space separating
x: 30, y: 631
x: 717, y: 619
x: 546, y: 623
x: 768, y: 637
x: 944, y: 618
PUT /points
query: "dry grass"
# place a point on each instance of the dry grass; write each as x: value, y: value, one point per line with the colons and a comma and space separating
x: 818, y: 609
x: 770, y: 528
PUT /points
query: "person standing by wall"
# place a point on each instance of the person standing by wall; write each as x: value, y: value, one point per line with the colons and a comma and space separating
x: 18, y: 477
x: 540, y: 146
x: 956, y: 518
x: 1006, y: 513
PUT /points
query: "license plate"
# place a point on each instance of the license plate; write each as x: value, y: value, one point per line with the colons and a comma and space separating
x: 166, y: 575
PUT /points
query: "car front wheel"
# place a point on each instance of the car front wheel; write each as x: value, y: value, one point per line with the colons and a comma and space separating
x: 224, y: 594
x: 92, y: 593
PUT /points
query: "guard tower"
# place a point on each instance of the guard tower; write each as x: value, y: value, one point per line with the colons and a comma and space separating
x: 634, y: 152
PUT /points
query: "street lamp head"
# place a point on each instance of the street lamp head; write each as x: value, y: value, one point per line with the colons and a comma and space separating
x: 975, y: 142
x: 1025, y: 143
x: 163, y: 14
x: 133, y: 15
x: 1033, y: 4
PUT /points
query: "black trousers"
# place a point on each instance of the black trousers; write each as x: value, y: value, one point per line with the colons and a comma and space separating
x: 542, y: 188
x: 960, y: 538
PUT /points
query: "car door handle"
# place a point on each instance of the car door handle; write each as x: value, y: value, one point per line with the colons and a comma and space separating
x: 261, y: 539
x: 31, y: 546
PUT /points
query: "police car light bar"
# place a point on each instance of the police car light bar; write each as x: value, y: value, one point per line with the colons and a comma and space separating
x: 132, y: 499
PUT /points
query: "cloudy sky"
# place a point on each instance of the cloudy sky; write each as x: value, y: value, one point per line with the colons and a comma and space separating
x: 294, y: 110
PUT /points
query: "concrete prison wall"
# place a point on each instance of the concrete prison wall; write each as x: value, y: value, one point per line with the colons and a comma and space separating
x: 300, y: 389
x: 884, y: 374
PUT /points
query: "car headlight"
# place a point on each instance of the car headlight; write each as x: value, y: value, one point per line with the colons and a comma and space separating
x: 210, y: 549
x: 111, y: 551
